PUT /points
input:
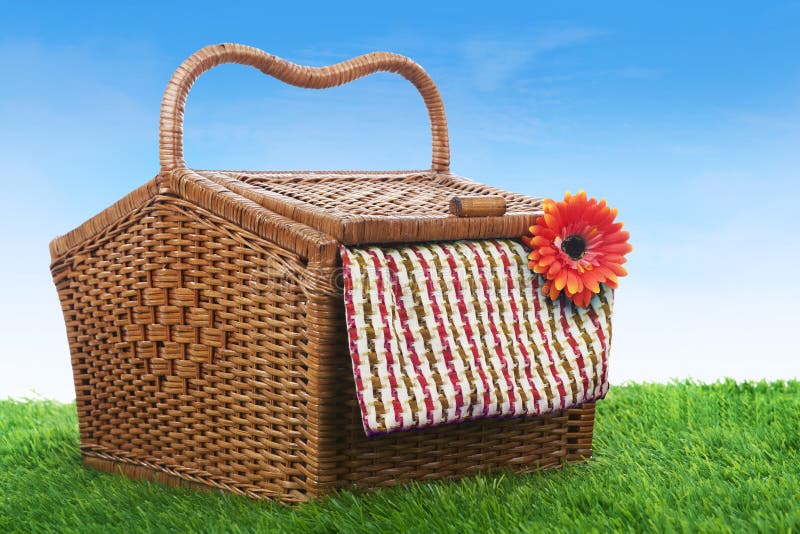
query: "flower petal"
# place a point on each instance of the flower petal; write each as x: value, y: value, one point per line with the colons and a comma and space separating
x: 546, y: 260
x: 591, y: 281
x: 555, y: 267
x: 560, y: 281
x: 574, y: 283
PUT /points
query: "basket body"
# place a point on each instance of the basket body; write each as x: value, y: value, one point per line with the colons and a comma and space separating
x: 206, y: 321
x: 206, y: 352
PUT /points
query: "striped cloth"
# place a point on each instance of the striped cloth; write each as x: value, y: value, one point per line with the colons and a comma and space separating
x: 446, y: 332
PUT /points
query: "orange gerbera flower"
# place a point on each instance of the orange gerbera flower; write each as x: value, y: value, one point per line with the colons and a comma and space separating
x: 576, y: 247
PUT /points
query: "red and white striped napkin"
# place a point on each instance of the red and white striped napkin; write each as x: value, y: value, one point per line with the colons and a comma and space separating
x: 446, y: 332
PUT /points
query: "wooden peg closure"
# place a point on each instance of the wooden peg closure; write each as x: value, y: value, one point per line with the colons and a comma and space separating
x: 483, y: 206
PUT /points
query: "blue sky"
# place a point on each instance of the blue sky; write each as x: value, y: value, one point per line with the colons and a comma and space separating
x: 686, y: 116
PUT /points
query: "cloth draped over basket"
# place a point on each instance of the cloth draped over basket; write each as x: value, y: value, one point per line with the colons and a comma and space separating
x: 445, y: 332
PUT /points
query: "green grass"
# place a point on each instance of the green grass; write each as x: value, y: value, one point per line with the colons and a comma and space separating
x: 722, y: 457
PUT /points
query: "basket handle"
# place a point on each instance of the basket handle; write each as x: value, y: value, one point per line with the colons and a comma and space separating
x: 174, y: 102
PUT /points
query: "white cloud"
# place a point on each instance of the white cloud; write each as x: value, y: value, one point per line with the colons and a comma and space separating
x: 494, y: 61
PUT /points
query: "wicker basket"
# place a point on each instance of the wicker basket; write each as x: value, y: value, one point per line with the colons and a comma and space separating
x: 205, y: 318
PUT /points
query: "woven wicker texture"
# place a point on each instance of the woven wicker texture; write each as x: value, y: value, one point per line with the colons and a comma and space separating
x: 188, y: 349
x: 380, y: 207
x: 207, y: 331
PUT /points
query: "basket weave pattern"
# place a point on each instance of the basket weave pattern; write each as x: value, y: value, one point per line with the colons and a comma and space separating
x: 206, y: 324
x: 188, y: 339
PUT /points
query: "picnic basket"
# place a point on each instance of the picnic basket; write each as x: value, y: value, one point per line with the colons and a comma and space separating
x: 205, y: 318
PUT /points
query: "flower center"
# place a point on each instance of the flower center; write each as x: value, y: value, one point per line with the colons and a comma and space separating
x: 574, y: 246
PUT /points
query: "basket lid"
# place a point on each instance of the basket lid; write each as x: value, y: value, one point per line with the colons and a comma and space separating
x: 353, y: 207
x: 383, y: 207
